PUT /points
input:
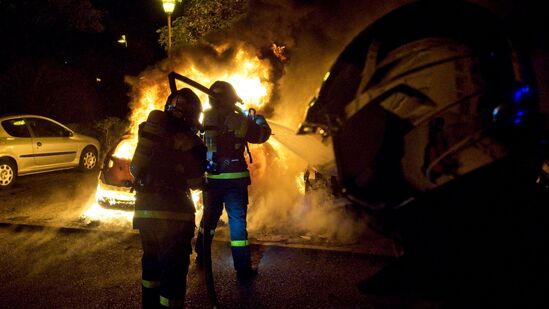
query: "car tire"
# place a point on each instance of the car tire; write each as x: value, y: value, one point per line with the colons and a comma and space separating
x: 88, y: 159
x: 8, y: 173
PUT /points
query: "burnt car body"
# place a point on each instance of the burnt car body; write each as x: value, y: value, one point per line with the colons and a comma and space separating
x: 114, y: 190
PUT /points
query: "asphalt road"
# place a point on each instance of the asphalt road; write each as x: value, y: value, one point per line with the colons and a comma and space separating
x: 54, y: 257
x: 66, y: 268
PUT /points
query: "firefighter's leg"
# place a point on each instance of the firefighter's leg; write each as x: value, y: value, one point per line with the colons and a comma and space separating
x: 213, y: 206
x: 150, y: 278
x: 175, y: 251
x: 236, y: 202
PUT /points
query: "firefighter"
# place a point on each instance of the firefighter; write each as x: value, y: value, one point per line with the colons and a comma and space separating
x: 170, y: 159
x: 227, y: 130
x: 432, y: 111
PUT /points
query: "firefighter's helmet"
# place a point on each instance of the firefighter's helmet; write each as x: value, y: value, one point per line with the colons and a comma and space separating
x: 423, y: 96
x: 184, y: 105
x: 225, y: 94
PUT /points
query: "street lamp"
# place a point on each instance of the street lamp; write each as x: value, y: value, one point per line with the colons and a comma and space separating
x: 123, y: 40
x: 169, y: 6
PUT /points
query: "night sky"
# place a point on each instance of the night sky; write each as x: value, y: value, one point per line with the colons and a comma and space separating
x: 53, y: 58
x: 44, y: 44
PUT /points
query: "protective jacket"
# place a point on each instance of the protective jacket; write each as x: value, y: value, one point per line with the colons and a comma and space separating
x: 226, y: 134
x: 168, y: 161
x: 227, y: 131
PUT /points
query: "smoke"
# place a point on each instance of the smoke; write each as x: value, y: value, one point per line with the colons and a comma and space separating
x: 297, y: 41
x: 42, y: 205
x: 44, y: 250
x: 281, y: 207
x: 314, y: 33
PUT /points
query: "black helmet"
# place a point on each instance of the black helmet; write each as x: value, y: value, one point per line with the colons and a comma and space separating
x: 425, y: 95
x: 225, y: 94
x: 185, y: 105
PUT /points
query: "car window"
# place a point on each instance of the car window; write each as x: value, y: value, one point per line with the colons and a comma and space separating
x: 16, y: 127
x: 45, y: 128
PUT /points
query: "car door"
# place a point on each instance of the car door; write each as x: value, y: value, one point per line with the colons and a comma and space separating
x: 52, y: 144
x: 19, y: 143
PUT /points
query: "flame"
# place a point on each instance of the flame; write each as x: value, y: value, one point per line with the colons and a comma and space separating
x: 126, y: 148
x: 249, y: 76
x: 280, y: 52
x: 97, y: 212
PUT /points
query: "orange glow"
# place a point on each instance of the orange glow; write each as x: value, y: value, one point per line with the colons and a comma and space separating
x: 250, y: 78
x: 125, y: 149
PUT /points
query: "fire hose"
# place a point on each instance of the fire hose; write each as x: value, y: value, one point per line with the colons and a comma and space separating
x: 207, y: 258
x: 172, y: 77
x: 207, y: 237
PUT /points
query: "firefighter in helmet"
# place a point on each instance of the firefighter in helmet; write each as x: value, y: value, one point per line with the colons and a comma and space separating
x: 170, y: 159
x: 436, y: 133
x: 227, y: 130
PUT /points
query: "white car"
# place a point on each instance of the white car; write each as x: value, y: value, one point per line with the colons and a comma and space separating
x: 31, y: 144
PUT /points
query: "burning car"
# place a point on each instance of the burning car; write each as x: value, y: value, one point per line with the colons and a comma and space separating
x: 114, y: 189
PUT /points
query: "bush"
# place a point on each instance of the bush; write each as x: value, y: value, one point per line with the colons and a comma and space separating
x: 108, y: 131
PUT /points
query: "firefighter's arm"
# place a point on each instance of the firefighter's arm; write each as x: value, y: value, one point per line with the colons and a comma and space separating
x: 259, y: 130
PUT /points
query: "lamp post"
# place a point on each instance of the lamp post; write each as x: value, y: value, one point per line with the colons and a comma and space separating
x: 169, y: 6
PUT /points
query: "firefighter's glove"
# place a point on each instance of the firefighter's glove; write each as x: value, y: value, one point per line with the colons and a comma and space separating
x: 237, y: 123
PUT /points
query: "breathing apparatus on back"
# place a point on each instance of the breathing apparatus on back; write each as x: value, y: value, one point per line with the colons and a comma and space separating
x: 181, y: 112
x: 227, y: 120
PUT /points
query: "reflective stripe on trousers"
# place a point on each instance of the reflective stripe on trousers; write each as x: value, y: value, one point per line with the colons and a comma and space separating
x: 171, y: 303
x: 150, y: 284
x: 201, y: 231
x: 240, y: 243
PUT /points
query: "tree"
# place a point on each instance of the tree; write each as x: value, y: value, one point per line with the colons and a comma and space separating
x: 202, y: 17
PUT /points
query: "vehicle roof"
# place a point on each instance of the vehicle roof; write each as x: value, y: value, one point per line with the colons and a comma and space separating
x: 11, y: 116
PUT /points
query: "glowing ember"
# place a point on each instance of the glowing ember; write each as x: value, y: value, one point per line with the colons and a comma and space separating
x: 279, y: 51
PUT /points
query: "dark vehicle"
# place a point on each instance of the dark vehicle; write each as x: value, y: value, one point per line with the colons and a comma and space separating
x: 432, y: 113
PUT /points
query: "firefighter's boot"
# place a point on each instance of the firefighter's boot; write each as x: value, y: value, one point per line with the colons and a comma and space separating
x: 150, y: 298
x: 243, y: 262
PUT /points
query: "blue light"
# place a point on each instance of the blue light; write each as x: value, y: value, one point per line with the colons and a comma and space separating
x: 495, y: 112
x: 519, y: 93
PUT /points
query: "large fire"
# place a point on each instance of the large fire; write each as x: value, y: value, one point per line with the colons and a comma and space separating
x: 250, y: 77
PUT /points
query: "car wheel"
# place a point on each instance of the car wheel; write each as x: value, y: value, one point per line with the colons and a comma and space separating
x: 88, y: 159
x: 8, y: 173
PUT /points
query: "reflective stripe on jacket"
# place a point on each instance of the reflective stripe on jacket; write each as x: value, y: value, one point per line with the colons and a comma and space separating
x: 233, y: 175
